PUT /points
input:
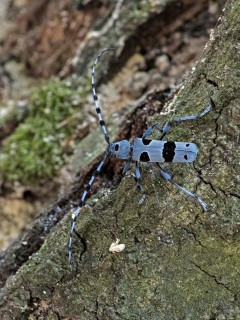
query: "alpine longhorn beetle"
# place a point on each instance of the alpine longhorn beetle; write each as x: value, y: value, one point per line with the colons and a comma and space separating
x: 141, y: 150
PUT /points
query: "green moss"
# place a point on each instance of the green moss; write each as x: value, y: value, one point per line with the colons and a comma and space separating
x: 35, y: 150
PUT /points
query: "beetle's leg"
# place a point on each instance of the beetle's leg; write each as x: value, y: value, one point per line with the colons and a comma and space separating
x: 167, y: 176
x: 126, y: 167
x: 167, y: 126
x: 150, y: 130
x: 140, y: 187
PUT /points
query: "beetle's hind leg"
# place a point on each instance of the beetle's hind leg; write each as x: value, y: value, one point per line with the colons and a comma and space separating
x: 168, y: 177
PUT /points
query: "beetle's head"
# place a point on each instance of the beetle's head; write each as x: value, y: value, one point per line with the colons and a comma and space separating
x: 120, y: 149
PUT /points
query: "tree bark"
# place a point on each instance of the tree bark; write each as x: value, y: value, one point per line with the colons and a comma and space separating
x: 179, y: 262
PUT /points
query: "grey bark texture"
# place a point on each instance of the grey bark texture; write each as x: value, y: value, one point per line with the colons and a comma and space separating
x: 179, y: 263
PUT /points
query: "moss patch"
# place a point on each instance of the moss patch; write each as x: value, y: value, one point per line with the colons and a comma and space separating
x: 35, y: 150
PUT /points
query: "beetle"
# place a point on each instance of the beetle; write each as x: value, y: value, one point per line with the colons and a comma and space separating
x: 141, y: 150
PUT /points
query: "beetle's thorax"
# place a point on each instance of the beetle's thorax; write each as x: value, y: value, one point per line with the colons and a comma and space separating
x: 120, y: 149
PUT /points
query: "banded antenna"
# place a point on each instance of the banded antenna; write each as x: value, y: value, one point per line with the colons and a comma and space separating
x: 95, y: 97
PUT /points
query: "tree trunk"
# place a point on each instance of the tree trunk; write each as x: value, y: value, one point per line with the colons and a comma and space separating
x: 179, y: 262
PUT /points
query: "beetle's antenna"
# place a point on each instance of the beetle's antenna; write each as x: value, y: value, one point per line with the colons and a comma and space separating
x: 95, y: 97
x: 81, y: 204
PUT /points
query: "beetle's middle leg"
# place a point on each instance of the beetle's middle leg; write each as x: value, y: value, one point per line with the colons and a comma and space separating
x: 139, y: 185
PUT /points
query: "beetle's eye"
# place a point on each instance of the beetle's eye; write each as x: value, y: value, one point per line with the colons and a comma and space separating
x: 116, y: 147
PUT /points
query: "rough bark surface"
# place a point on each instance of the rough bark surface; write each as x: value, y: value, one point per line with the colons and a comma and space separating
x: 179, y: 263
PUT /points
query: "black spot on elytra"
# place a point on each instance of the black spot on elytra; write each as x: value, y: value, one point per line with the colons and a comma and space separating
x: 168, y: 152
x: 144, y: 157
x: 116, y: 147
x: 146, y: 141
x: 185, y: 157
x: 187, y: 145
